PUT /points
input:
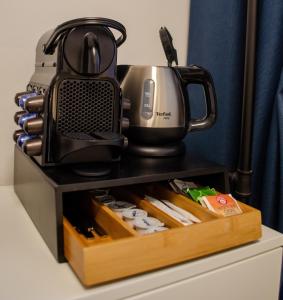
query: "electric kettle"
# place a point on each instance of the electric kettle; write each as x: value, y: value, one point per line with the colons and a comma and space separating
x: 160, y: 111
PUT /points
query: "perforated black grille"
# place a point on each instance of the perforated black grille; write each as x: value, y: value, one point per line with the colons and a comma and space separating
x: 85, y: 106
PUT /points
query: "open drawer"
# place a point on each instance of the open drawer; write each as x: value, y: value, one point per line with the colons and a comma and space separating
x: 119, y: 250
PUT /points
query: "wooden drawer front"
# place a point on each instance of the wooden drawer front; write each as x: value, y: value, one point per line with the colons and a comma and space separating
x: 124, y: 252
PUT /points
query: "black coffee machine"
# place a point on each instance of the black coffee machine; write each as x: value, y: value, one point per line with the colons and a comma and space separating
x: 72, y: 110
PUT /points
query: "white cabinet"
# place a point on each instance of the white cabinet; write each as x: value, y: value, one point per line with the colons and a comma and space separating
x: 252, y: 278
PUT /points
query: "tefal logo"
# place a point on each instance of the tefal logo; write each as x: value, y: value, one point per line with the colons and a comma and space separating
x: 163, y: 114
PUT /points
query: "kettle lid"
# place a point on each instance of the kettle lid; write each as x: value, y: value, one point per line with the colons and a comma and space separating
x: 167, y: 43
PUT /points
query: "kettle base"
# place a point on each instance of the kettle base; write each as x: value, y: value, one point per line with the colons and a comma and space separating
x: 92, y: 170
x: 157, y: 151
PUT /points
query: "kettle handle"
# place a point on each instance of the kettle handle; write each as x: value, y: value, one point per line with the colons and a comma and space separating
x: 198, y: 75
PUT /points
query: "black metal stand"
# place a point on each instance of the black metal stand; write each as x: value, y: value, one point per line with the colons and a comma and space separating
x: 242, y: 177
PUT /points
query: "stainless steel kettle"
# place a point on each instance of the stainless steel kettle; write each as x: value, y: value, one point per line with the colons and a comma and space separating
x: 160, y: 111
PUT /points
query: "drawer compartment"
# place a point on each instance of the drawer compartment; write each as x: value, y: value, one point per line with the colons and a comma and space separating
x: 121, y: 251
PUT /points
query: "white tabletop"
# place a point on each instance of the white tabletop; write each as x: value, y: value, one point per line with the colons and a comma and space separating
x: 30, y: 272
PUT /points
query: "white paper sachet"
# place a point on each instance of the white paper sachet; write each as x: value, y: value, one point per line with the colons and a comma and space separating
x: 189, y: 216
x: 168, y: 210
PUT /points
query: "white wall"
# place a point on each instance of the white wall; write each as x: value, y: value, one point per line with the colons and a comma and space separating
x: 23, y: 22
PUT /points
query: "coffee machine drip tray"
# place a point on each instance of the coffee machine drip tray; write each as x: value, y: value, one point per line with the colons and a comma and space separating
x: 157, y: 151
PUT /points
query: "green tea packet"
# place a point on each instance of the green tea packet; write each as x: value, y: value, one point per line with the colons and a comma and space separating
x: 199, y: 192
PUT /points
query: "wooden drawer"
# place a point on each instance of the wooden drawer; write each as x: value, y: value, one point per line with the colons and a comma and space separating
x: 124, y: 252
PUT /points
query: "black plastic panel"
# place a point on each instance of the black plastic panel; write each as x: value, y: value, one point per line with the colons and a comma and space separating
x: 85, y: 106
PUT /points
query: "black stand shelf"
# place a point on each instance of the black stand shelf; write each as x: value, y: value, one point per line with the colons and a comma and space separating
x: 41, y: 190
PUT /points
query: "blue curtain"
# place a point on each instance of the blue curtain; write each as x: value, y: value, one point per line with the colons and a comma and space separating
x: 216, y: 42
x: 267, y: 152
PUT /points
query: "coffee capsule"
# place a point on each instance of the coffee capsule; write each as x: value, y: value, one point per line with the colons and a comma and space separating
x: 147, y: 222
x: 24, y: 137
x: 121, y: 205
x: 19, y: 95
x: 27, y: 116
x: 34, y: 104
x: 32, y: 147
x: 131, y: 214
x: 33, y: 126
x: 20, y: 101
x: 18, y: 115
x: 17, y: 133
